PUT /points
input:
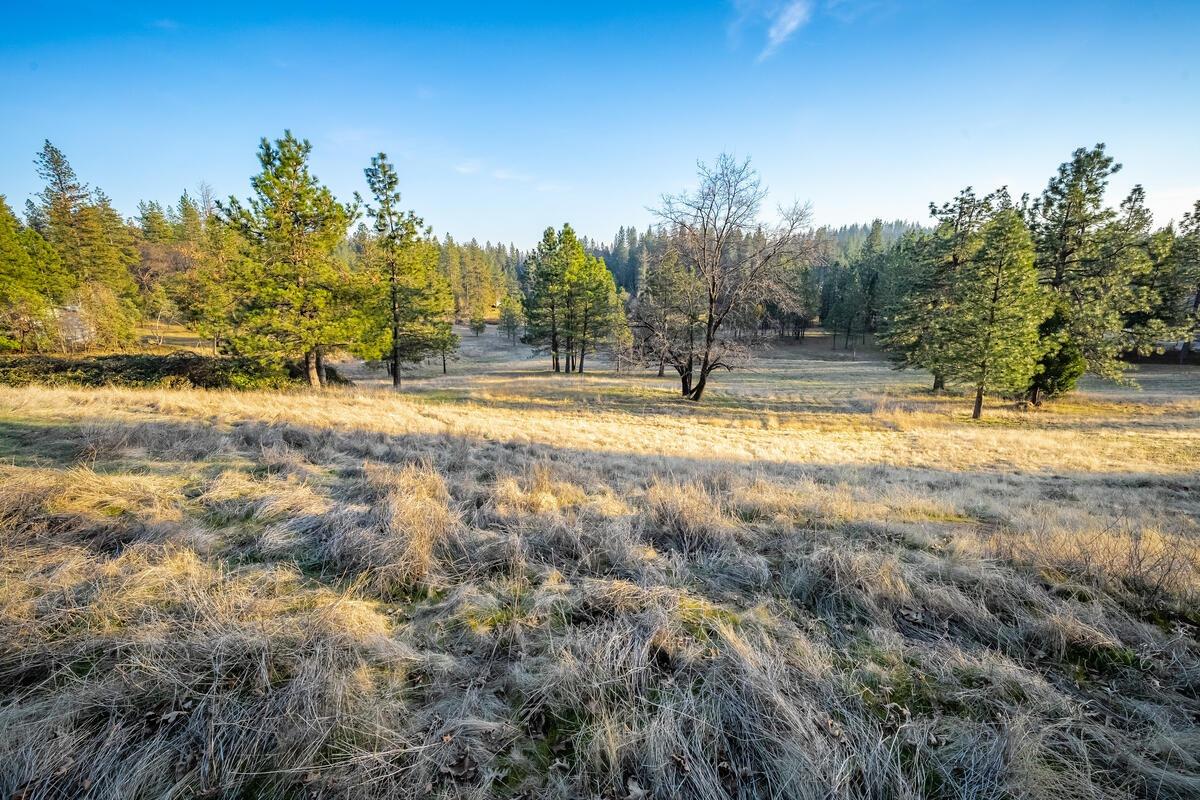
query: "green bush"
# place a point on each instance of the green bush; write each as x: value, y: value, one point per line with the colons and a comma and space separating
x: 180, y: 370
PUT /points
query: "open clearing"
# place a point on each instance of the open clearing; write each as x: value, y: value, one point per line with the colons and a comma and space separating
x: 822, y: 581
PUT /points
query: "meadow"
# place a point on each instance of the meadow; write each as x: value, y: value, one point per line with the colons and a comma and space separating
x: 822, y: 581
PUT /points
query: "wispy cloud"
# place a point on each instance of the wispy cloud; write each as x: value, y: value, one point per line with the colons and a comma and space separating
x: 503, y: 174
x: 475, y: 166
x: 785, y: 21
x: 165, y: 24
x: 778, y: 21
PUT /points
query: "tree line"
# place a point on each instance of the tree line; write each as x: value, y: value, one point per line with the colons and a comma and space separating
x: 282, y: 275
x: 1022, y: 298
x: 1018, y: 297
x: 1012, y: 296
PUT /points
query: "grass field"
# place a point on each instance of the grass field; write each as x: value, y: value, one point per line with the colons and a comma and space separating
x: 821, y: 582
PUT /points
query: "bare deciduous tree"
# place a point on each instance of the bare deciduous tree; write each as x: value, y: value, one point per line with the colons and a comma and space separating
x: 721, y: 259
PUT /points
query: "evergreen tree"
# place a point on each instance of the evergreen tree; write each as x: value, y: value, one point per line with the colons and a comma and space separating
x: 545, y: 304
x: 417, y: 297
x: 293, y: 298
x: 60, y: 200
x: 205, y: 293
x: 425, y: 306
x: 95, y: 247
x: 511, y: 317
x: 1091, y: 257
x: 154, y: 224
x: 998, y: 309
x: 592, y: 305
x: 1187, y: 268
x: 849, y: 302
x: 929, y: 266
x: 32, y: 282
x: 187, y: 221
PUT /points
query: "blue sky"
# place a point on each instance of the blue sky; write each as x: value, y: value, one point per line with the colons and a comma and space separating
x: 506, y: 118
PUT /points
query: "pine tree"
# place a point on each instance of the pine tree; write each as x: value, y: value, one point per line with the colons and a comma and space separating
x: 477, y: 322
x: 1091, y: 258
x: 293, y: 299
x: 61, y: 199
x: 918, y: 333
x: 95, y: 246
x: 511, y: 317
x: 546, y: 301
x: 998, y: 309
x: 1187, y: 267
x: 32, y: 282
x: 846, y: 312
x: 187, y: 222
x: 205, y: 293
x: 153, y: 223
x: 416, y: 296
x: 593, y: 305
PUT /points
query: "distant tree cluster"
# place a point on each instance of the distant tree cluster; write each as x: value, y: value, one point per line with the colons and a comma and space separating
x: 629, y: 255
x: 275, y: 277
x: 1011, y: 297
x: 1024, y: 298
x: 480, y: 277
x: 572, y: 307
x: 70, y: 274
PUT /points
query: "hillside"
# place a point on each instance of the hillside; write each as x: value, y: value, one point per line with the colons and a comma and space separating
x: 823, y: 581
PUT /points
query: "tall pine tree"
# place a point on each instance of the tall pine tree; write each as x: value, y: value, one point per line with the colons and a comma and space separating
x: 998, y: 309
x: 294, y: 296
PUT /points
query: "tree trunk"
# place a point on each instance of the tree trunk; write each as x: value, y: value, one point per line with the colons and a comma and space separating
x: 1186, y: 350
x: 662, y: 363
x: 975, y: 414
x: 394, y: 280
x: 322, y: 376
x: 395, y: 360
x: 443, y: 361
x: 1035, y: 396
x: 698, y: 390
x: 939, y: 382
x: 310, y: 369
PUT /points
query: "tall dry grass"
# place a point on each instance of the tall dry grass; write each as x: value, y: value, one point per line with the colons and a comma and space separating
x: 359, y: 595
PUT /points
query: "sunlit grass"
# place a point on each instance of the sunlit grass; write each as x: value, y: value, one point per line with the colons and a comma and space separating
x: 827, y: 581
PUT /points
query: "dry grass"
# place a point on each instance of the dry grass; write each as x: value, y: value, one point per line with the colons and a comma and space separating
x: 825, y: 583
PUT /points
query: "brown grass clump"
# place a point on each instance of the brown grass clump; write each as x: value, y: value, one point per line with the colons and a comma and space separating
x: 83, y: 505
x: 563, y: 587
x: 688, y: 516
x: 393, y: 545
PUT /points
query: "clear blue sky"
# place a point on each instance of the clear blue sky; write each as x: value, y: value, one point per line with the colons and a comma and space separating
x: 506, y: 118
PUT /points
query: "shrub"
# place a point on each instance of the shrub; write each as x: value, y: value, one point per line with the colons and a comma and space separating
x: 179, y: 370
